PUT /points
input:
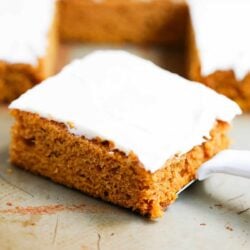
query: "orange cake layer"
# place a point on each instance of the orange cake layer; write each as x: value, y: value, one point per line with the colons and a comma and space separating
x: 15, y: 79
x: 119, y: 21
x: 224, y: 82
x: 94, y: 167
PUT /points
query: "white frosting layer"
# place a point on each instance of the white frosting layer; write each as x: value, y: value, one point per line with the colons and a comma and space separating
x: 139, y: 106
x: 24, y: 27
x: 222, y: 35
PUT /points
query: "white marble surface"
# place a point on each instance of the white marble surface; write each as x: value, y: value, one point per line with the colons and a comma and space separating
x: 209, y: 215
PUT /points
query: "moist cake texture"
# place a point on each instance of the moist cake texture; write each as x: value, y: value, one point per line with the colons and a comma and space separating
x: 133, y: 134
x: 218, y: 47
x: 27, y: 45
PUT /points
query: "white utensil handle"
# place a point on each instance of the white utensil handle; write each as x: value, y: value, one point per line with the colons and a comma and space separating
x: 233, y: 162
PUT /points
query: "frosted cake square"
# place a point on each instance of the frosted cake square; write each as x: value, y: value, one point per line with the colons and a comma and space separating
x: 119, y: 128
x: 218, y: 47
x: 27, y: 45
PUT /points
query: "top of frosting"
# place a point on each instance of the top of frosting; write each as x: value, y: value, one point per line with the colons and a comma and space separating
x: 117, y: 96
x: 24, y: 27
x: 222, y: 35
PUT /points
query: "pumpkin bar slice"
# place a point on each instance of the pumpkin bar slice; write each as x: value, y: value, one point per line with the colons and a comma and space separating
x: 119, y: 128
x: 28, y: 45
x: 218, y: 47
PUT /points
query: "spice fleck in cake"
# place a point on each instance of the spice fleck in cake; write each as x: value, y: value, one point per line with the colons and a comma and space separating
x: 118, y: 127
x: 27, y: 45
x: 219, y: 51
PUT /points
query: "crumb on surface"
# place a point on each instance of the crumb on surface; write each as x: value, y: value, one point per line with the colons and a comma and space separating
x: 71, y: 125
x: 229, y: 228
x: 218, y: 205
x: 9, y: 170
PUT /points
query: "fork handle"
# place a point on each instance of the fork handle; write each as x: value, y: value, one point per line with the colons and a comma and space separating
x: 233, y: 162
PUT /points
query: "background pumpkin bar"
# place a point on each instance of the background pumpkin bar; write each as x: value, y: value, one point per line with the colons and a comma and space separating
x: 119, y: 21
x: 219, y: 47
x: 27, y: 45
x: 118, y: 127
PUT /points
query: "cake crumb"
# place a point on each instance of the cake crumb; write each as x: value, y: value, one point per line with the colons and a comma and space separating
x: 229, y: 228
x: 28, y: 223
x: 203, y: 224
x: 205, y: 138
x: 218, y: 205
x: 9, y: 170
x: 71, y: 125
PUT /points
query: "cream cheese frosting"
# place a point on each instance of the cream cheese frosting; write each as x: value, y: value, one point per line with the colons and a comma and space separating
x: 221, y: 29
x: 24, y: 27
x: 120, y: 97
